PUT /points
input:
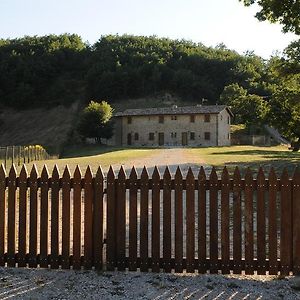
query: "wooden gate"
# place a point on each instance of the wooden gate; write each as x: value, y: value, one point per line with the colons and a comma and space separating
x: 182, y: 222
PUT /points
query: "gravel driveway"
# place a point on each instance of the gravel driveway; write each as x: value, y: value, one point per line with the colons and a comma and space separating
x: 46, y: 284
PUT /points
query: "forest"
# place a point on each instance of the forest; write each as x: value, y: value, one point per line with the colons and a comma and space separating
x: 46, y: 71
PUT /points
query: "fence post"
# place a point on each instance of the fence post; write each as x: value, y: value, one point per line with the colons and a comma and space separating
x: 296, y: 221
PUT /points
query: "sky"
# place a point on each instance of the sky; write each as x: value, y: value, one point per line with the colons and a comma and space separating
x: 209, y: 22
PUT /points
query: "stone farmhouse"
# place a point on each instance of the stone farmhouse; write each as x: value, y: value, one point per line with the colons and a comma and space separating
x: 174, y: 126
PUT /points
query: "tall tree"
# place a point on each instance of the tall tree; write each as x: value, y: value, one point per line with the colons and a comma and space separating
x: 285, y: 12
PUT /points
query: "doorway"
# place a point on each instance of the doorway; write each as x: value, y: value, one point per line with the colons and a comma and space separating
x: 161, y: 139
x: 129, y: 139
x: 184, y: 139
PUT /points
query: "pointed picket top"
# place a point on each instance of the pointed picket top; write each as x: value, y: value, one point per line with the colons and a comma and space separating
x: 2, y: 172
x: 213, y: 175
x: 66, y: 173
x: 260, y: 176
x: 34, y: 172
x: 122, y: 174
x: 202, y: 175
x: 88, y: 174
x: 77, y: 173
x: 45, y: 172
x: 190, y: 174
x: 248, y: 175
x: 23, y: 173
x: 296, y: 175
x: 55, y: 173
x: 178, y: 174
x: 237, y: 174
x: 133, y: 173
x: 12, y: 171
x: 155, y: 174
x: 145, y: 174
x: 111, y: 173
x: 225, y: 175
x: 167, y: 174
x: 285, y: 174
x: 272, y: 175
x: 99, y: 174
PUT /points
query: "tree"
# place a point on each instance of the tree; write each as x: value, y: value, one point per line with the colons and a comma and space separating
x: 285, y: 12
x: 247, y: 108
x: 95, y: 121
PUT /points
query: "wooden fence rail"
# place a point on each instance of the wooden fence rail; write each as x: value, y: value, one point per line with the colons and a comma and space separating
x: 194, y: 222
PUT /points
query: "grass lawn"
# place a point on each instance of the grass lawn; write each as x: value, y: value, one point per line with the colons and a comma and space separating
x: 249, y: 156
x: 94, y: 157
x: 242, y: 156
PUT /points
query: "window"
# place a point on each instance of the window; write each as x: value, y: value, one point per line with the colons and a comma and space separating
x: 228, y: 120
x: 136, y: 136
x: 160, y: 119
x: 173, y: 117
x: 192, y: 136
x: 206, y: 118
x: 192, y: 118
x: 207, y: 136
x: 129, y: 120
x: 173, y: 134
x: 151, y: 136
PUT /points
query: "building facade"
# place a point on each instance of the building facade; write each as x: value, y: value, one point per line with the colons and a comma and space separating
x: 174, y: 126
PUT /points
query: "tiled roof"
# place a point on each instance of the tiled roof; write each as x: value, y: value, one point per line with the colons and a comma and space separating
x: 198, y: 109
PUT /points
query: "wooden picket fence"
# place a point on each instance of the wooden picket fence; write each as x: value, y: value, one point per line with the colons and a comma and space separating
x: 19, y: 155
x: 192, y: 223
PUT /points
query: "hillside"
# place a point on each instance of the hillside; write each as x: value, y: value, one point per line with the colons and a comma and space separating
x: 47, y: 127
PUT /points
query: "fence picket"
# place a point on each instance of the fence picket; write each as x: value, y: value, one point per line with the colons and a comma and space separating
x: 261, y: 223
x: 178, y: 222
x: 144, y: 219
x: 22, y: 217
x: 2, y: 212
x: 213, y: 226
x: 11, y: 234
x: 77, y: 219
x: 225, y: 246
x: 88, y: 218
x: 237, y: 224
x: 66, y: 190
x: 286, y: 224
x: 98, y: 219
x: 133, y: 220
x: 190, y: 222
x: 54, y: 217
x: 155, y: 236
x: 33, y: 217
x: 296, y: 221
x: 273, y: 187
x: 167, y: 220
x: 44, y: 223
x: 202, y: 221
x: 249, y: 246
x: 121, y: 219
x: 111, y: 221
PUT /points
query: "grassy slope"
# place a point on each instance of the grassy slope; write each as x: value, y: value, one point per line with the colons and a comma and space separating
x: 48, y: 127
